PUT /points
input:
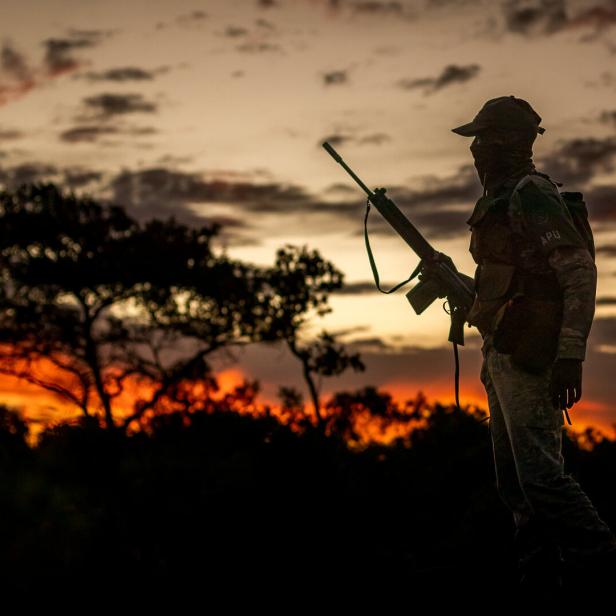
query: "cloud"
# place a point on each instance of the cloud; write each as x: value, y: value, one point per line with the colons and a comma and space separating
x: 374, y: 139
x: 126, y: 73
x: 86, y: 134
x: 235, y: 31
x: 438, y: 206
x: 29, y: 172
x: 92, y: 133
x: 191, y: 18
x: 538, y: 17
x: 14, y: 63
x: 578, y: 160
x: 608, y: 117
x: 335, y: 78
x: 377, y: 8
x: 77, y: 177
x: 257, y: 47
x: 17, y: 77
x: 108, y: 105
x: 60, y: 52
x: 159, y: 192
x: 535, y: 16
x: 606, y: 301
x: 450, y: 75
x: 601, y: 203
x: 59, y: 56
x: 59, y: 59
x: 10, y: 133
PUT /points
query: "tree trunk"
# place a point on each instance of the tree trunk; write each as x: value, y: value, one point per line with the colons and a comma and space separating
x: 304, y: 357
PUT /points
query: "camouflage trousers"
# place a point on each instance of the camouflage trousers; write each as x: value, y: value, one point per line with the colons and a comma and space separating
x: 551, y: 512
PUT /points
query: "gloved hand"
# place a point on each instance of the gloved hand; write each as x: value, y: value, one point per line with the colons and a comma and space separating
x: 566, y: 384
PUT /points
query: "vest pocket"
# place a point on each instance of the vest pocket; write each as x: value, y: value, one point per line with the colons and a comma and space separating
x: 494, y: 280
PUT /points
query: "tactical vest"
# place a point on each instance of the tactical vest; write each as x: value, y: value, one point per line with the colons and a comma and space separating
x: 507, y: 264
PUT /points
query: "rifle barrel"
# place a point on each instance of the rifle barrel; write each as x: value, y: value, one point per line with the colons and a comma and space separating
x: 350, y: 171
x: 390, y: 212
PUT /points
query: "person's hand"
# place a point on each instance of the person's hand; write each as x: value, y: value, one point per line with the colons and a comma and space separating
x: 566, y: 384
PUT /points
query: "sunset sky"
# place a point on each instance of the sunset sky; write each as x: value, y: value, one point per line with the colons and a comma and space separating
x: 216, y: 110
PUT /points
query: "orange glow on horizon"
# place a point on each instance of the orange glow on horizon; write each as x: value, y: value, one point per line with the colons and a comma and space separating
x: 42, y: 408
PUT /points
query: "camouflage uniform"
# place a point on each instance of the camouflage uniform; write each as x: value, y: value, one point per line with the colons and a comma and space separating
x: 534, y: 231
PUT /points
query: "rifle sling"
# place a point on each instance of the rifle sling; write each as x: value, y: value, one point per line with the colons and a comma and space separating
x: 378, y: 286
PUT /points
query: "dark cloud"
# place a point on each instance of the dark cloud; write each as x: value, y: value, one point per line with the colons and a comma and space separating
x: 108, y: 105
x: 439, y: 207
x: 534, y: 16
x: 257, y: 47
x: 193, y: 17
x: 67, y: 177
x: 16, y: 76
x: 608, y: 117
x: 601, y: 203
x: 9, y: 133
x: 93, y: 132
x: 335, y: 78
x: 608, y: 250
x: 451, y: 74
x: 378, y: 8
x: 127, y: 73
x: 86, y: 134
x: 340, y: 188
x: 76, y: 177
x: 12, y: 177
x: 59, y: 59
x: 235, y: 31
x: 263, y: 23
x: 14, y: 63
x: 150, y: 186
x: 603, y: 331
x: 374, y: 139
x: 537, y: 17
x: 59, y: 53
x: 576, y: 161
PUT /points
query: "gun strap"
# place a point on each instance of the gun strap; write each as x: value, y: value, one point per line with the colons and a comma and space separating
x: 456, y: 376
x: 375, y: 272
x: 376, y: 280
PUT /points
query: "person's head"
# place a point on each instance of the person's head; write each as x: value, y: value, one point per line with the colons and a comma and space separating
x: 504, y: 131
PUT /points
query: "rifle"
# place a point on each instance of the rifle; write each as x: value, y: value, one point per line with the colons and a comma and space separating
x: 438, y: 276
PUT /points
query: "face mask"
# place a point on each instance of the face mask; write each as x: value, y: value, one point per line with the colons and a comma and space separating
x: 497, y: 157
x: 488, y: 157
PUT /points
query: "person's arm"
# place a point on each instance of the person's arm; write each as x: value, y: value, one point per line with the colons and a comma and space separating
x: 543, y: 216
x: 577, y: 276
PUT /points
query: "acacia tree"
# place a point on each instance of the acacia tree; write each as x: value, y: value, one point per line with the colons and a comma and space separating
x: 300, y: 282
x: 103, y: 299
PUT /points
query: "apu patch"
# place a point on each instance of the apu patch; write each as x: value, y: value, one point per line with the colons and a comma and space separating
x: 546, y: 238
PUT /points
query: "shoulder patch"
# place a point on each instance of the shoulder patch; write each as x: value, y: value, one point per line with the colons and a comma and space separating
x: 545, y: 215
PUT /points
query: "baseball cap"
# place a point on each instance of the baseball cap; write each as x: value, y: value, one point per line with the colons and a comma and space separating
x: 502, y: 112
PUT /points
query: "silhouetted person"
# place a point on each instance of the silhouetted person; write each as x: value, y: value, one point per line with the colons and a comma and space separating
x: 534, y: 305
